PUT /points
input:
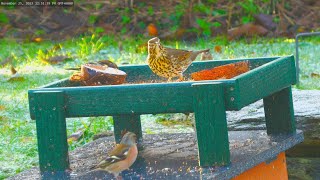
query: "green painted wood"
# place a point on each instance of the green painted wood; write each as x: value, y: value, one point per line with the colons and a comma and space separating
x: 174, y: 97
x: 128, y: 122
x: 51, y: 131
x: 211, y: 124
x: 123, y: 99
x: 138, y: 73
x: 263, y: 81
x: 279, y: 113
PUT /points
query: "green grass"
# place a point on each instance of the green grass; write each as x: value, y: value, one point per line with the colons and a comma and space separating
x: 17, y: 131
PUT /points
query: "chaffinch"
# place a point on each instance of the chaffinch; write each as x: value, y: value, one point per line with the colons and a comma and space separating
x: 121, y: 157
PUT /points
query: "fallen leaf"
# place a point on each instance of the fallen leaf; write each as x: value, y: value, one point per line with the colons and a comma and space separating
x: 152, y: 30
x: 37, y: 39
x: 26, y: 139
x: 16, y: 78
x: 218, y: 49
x: 2, y: 108
x: 315, y: 75
x: 13, y: 70
x: 222, y: 72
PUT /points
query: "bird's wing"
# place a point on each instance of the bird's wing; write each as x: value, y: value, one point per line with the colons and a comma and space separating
x: 177, y: 53
x: 110, y: 160
x: 119, y: 150
x: 119, y: 153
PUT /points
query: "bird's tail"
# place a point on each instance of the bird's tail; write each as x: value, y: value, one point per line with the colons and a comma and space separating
x: 205, y: 50
x: 196, y: 53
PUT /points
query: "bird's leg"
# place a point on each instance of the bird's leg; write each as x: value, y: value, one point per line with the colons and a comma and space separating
x: 119, y: 177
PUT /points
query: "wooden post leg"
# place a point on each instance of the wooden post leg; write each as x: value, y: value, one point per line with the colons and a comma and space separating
x: 51, y: 133
x: 129, y: 122
x: 279, y: 113
x: 211, y: 124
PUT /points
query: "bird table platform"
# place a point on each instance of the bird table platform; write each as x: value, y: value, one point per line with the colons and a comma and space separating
x: 269, y: 78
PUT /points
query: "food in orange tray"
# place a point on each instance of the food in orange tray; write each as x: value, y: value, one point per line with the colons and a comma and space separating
x: 222, y: 72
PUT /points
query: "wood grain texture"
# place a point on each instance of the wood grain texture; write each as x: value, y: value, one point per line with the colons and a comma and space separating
x: 51, y: 131
x: 128, y: 122
x: 264, y: 81
x: 211, y: 124
x: 279, y: 113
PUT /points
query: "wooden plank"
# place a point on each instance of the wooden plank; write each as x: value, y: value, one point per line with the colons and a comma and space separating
x: 128, y: 122
x: 278, y: 109
x: 263, y: 81
x: 51, y: 131
x: 125, y: 99
x: 143, y: 73
x: 211, y: 124
x: 142, y: 98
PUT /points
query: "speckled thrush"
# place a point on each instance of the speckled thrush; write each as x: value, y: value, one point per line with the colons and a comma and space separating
x: 168, y: 62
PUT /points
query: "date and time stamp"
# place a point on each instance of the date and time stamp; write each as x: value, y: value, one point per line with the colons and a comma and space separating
x: 29, y: 3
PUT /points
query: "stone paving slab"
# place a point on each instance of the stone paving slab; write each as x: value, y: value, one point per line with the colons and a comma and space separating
x: 174, y: 156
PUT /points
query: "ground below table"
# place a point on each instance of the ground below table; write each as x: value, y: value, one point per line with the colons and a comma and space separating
x: 175, y: 156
